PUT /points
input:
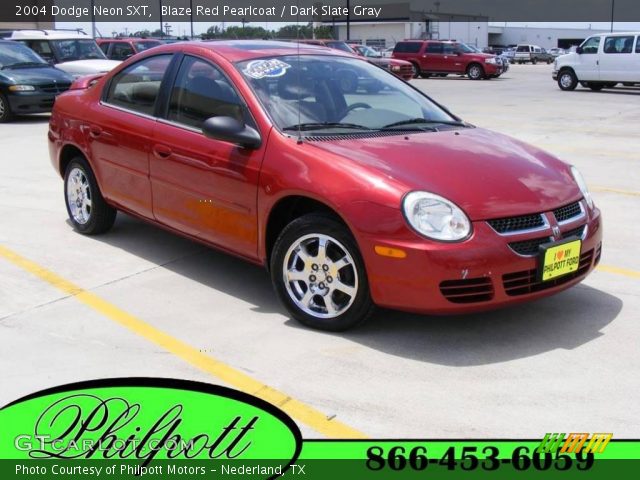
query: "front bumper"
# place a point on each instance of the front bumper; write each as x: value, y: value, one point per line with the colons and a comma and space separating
x: 31, y: 102
x: 481, y: 273
x: 554, y: 74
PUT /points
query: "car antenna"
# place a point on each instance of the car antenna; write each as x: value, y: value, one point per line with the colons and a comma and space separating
x: 298, y: 70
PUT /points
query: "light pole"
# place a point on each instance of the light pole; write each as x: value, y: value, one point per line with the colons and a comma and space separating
x: 161, y: 30
x: 613, y: 6
x: 191, y: 5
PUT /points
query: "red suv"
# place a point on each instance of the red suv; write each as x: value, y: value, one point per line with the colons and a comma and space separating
x: 440, y: 58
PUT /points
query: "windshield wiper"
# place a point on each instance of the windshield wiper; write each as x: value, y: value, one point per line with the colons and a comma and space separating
x: 303, y: 127
x: 416, y: 121
x: 24, y: 64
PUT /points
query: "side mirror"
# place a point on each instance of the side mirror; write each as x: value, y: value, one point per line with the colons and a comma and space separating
x: 579, y: 50
x: 228, y: 129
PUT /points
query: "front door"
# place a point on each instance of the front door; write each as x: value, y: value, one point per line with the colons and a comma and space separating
x: 206, y: 188
x: 587, y: 67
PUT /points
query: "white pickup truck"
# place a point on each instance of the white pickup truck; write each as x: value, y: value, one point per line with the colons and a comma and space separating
x: 72, y: 51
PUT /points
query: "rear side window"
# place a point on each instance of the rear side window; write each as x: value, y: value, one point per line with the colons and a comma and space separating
x: 136, y: 88
x: 42, y: 48
x: 618, y: 44
x: 202, y: 92
x: 434, y: 48
x: 407, y: 47
x: 121, y: 51
x: 449, y: 49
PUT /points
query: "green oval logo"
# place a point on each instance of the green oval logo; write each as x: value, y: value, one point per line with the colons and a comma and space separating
x: 146, y: 421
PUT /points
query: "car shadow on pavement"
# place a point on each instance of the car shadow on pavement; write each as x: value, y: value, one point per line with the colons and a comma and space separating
x: 567, y: 320
x: 26, y: 119
x: 616, y: 91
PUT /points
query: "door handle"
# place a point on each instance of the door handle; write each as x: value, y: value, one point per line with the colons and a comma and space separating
x: 162, y: 151
x: 95, y: 131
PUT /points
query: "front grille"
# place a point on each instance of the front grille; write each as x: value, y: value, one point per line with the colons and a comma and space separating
x: 567, y: 212
x: 470, y: 290
x: 574, y: 232
x: 515, y: 224
x: 526, y: 281
x: 55, y: 87
x: 529, y: 247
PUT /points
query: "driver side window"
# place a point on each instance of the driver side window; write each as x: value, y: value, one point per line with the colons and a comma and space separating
x: 590, y: 46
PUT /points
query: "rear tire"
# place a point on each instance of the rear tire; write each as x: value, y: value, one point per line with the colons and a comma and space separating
x: 534, y: 61
x: 567, y: 80
x: 5, y: 109
x: 89, y: 213
x: 324, y: 288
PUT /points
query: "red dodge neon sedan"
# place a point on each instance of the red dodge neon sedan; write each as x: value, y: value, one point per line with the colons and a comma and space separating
x: 350, y: 199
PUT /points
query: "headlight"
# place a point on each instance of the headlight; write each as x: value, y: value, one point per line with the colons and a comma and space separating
x: 435, y: 217
x: 22, y: 88
x: 395, y: 68
x: 582, y: 185
x: 491, y: 60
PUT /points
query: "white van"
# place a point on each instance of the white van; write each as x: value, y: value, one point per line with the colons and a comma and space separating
x: 602, y: 61
x: 72, y: 51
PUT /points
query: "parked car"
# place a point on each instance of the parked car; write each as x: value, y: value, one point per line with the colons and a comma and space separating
x: 440, y: 58
x: 601, y: 61
x: 28, y: 84
x: 556, y: 52
x: 123, y: 48
x: 330, y: 43
x: 509, y: 54
x: 401, y: 68
x: 253, y: 148
x: 74, y: 52
x: 387, y: 52
x: 532, y: 54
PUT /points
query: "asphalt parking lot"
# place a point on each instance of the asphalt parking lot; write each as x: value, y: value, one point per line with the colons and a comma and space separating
x: 142, y: 302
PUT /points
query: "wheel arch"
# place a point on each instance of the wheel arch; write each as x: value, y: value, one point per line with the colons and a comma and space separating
x: 287, y: 209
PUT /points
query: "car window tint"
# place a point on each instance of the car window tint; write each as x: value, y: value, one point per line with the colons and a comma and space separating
x: 104, y: 47
x: 638, y: 45
x: 618, y: 44
x: 434, y: 48
x: 523, y: 48
x: 202, y: 92
x: 408, y: 47
x: 136, y: 87
x: 449, y: 49
x: 121, y: 50
x: 591, y: 45
x: 42, y: 48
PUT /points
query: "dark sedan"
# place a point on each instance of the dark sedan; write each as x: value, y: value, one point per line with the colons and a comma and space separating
x: 28, y: 84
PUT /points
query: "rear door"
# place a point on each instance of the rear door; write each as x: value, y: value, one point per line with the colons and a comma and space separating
x: 206, y: 188
x: 617, y: 58
x: 432, y: 58
x: 120, y: 131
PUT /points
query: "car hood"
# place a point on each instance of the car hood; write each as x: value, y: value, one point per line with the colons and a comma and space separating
x: 35, y: 75
x: 87, y: 67
x: 387, y: 61
x: 488, y: 174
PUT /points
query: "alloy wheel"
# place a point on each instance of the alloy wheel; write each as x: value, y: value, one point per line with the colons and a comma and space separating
x: 79, y: 196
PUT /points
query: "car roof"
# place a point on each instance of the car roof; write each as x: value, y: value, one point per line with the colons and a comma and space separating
x: 615, y: 34
x: 127, y: 39
x: 47, y: 35
x: 240, y: 50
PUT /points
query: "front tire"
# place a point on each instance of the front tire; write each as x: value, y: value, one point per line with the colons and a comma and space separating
x: 5, y: 109
x: 567, y: 80
x: 319, y: 275
x: 88, y: 211
x: 475, y: 71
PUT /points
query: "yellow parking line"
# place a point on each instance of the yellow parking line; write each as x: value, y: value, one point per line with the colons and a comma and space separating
x: 618, y: 271
x: 237, y: 379
x: 614, y: 190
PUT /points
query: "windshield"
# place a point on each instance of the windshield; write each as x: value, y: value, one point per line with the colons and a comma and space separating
x: 337, y: 94
x: 69, y: 50
x: 340, y: 46
x: 369, y: 52
x: 463, y: 47
x: 16, y: 54
x: 146, y: 45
